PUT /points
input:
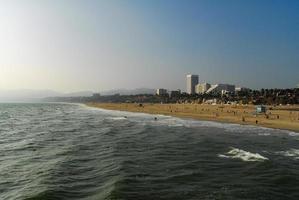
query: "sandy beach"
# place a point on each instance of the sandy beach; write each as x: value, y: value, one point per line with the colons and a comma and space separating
x: 281, y: 117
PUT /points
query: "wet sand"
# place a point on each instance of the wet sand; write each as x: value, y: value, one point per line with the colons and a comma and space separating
x: 281, y: 117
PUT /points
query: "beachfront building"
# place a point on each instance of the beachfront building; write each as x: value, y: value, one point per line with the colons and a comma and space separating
x: 241, y: 89
x: 161, y: 92
x: 219, y: 87
x: 202, y: 88
x: 261, y: 109
x: 210, y: 101
x: 192, y: 81
x: 224, y: 92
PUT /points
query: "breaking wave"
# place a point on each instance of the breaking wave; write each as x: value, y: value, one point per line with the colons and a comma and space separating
x: 293, y: 153
x: 235, y: 153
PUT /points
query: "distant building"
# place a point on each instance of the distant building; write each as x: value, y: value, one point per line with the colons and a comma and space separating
x: 175, y: 93
x: 192, y: 81
x: 241, y: 89
x: 96, y: 95
x: 261, y: 109
x: 161, y: 92
x: 219, y: 87
x: 202, y: 88
x: 210, y: 101
x: 224, y: 92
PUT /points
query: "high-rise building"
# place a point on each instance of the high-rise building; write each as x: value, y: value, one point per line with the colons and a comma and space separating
x: 192, y: 81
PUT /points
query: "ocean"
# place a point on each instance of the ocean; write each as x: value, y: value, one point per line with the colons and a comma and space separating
x: 69, y: 151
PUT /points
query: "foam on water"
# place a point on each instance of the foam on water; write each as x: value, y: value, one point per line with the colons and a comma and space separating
x: 293, y: 153
x: 117, y: 118
x: 294, y: 134
x: 246, y: 156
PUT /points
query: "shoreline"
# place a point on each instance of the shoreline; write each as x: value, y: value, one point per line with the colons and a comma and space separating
x: 279, y: 118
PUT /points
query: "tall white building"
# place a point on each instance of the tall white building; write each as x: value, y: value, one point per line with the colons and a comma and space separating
x: 192, y: 81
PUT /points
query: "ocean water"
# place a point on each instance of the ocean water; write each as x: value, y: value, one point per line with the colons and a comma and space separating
x: 67, y: 151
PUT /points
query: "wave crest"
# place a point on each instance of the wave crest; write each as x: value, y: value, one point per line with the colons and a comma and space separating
x: 243, y: 155
x: 293, y: 153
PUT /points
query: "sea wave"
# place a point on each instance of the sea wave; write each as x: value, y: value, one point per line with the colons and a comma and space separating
x: 246, y: 156
x: 117, y: 118
x: 294, y: 134
x: 293, y: 153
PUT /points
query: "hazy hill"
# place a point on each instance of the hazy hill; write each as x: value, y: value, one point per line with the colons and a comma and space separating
x: 129, y: 91
x: 27, y: 95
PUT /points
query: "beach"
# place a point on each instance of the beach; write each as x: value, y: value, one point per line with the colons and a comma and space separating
x: 279, y: 117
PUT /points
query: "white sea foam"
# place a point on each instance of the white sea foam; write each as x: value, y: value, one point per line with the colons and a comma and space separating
x: 246, y: 156
x: 294, y: 134
x: 264, y: 134
x: 293, y: 153
x: 117, y: 118
x: 230, y: 127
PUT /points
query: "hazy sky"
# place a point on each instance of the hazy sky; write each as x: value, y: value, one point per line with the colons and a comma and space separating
x: 72, y: 45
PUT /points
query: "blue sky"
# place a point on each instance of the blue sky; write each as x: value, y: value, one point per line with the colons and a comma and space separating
x: 100, y: 45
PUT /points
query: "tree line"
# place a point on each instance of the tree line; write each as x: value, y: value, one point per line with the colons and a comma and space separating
x: 256, y: 97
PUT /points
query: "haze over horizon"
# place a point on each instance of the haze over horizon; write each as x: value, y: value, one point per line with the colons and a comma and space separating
x: 70, y: 46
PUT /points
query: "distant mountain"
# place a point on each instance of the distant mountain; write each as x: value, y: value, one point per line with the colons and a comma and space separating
x: 129, y: 91
x: 78, y: 94
x: 27, y: 95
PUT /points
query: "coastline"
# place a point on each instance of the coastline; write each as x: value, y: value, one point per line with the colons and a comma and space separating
x: 281, y: 117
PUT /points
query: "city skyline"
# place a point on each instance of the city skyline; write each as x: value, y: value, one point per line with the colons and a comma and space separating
x: 102, y: 45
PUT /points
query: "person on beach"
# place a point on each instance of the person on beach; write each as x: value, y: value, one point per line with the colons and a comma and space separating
x: 243, y: 119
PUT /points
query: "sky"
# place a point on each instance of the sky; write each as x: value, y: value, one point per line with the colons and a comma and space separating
x: 75, y: 45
